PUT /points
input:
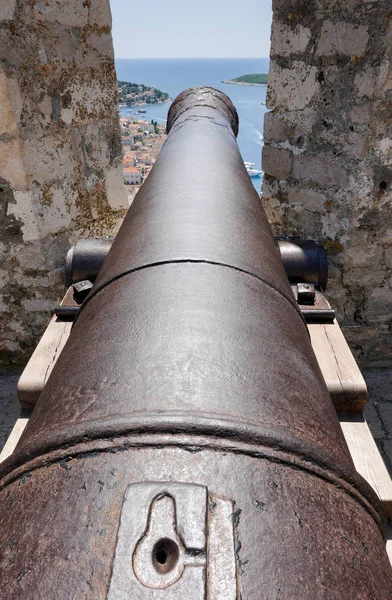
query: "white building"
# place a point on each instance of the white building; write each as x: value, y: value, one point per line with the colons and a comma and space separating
x: 132, y: 176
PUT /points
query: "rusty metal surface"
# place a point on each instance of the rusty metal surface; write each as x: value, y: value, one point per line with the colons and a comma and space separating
x: 304, y: 261
x: 85, y: 259
x: 190, y: 363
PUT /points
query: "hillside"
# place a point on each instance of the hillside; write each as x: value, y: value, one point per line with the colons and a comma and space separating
x: 134, y: 93
x: 251, y: 79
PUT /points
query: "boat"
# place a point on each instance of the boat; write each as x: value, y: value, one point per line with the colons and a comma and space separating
x: 140, y: 112
x: 254, y: 172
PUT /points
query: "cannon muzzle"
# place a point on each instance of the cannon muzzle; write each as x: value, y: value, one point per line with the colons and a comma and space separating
x: 185, y: 445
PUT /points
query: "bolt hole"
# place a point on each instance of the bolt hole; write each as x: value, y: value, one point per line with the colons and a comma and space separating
x: 161, y: 557
x: 165, y: 555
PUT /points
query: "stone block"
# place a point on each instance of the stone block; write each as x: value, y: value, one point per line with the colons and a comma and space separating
x: 356, y: 145
x: 384, y: 150
x: 365, y: 82
x: 367, y: 277
x: 24, y: 210
x: 286, y: 40
x: 277, y: 162
x: 360, y: 114
x: 7, y: 10
x: 342, y: 38
x: 364, y: 254
x: 66, y: 12
x: 102, y: 44
x: 11, y: 164
x: 55, y: 249
x: 292, y: 88
x: 100, y: 14
x: 11, y: 104
x: 115, y: 188
x: 325, y: 172
x: 307, y: 199
x: 379, y: 306
x: 275, y: 129
x: 30, y: 256
x: 270, y: 187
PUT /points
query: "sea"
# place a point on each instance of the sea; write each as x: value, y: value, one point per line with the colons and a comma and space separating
x: 175, y: 75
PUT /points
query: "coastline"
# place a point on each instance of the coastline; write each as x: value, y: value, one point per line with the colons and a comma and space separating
x: 139, y: 104
x: 231, y: 82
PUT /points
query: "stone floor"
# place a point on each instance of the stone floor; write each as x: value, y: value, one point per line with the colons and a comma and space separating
x: 9, y: 406
x: 378, y: 410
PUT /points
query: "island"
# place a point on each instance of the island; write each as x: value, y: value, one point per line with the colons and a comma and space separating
x: 252, y: 79
x: 135, y: 94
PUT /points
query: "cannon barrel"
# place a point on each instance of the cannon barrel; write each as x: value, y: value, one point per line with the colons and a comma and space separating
x: 185, y: 445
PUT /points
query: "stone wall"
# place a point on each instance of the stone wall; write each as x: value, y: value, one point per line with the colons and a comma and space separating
x: 328, y: 153
x: 60, y: 153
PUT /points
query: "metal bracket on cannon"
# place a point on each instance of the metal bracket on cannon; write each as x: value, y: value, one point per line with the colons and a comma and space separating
x: 306, y: 265
x: 305, y: 262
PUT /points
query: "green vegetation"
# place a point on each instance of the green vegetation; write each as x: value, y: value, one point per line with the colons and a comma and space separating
x: 156, y: 129
x: 135, y: 93
x: 255, y: 79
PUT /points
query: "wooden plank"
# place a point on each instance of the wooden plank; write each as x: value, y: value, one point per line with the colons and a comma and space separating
x: 13, y: 439
x: 341, y: 373
x: 367, y: 458
x: 41, y: 363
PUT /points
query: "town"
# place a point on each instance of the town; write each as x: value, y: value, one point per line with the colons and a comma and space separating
x: 135, y: 94
x: 141, y: 143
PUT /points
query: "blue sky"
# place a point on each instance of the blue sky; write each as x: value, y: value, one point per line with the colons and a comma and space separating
x: 191, y: 28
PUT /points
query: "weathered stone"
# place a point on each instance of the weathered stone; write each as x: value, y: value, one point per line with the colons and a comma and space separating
x: 340, y: 37
x: 275, y: 129
x: 277, y: 162
x: 11, y: 105
x: 384, y: 150
x: 100, y: 14
x: 7, y: 9
x: 307, y: 199
x: 339, y: 133
x: 38, y: 305
x: 365, y: 82
x: 286, y: 40
x: 102, y: 44
x: 360, y: 114
x: 60, y: 152
x: 323, y: 171
x: 292, y: 88
x: 379, y: 306
x: 68, y: 12
x: 363, y: 254
x: 367, y: 276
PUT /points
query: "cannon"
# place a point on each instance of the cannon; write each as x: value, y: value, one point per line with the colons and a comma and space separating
x: 185, y: 444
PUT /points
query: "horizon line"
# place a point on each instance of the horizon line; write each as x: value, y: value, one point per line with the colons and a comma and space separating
x: 189, y: 57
